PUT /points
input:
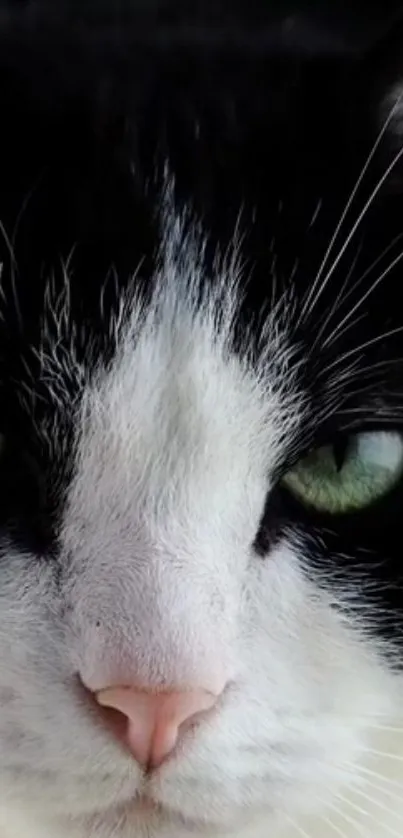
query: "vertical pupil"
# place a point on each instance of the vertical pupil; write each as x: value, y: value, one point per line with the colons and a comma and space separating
x: 340, y: 451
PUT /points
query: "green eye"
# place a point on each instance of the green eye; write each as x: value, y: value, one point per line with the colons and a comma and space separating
x: 372, y: 465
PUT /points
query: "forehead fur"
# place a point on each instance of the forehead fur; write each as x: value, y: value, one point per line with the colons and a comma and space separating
x: 179, y: 418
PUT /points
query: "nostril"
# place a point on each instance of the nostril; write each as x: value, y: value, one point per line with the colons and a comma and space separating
x: 154, y: 723
x: 115, y: 721
x: 108, y: 717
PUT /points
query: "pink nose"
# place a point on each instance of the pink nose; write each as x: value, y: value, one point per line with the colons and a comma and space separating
x: 155, y: 722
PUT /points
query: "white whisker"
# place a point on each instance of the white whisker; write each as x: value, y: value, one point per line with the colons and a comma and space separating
x: 336, y: 333
x: 294, y: 270
x: 375, y: 802
x: 366, y: 345
x: 316, y: 213
x: 296, y: 826
x: 371, y: 267
x: 350, y: 373
x: 364, y: 418
x: 374, y: 774
x: 333, y: 309
x: 361, y: 811
x: 13, y: 270
x: 384, y: 754
x: 392, y: 728
x: 333, y: 826
x: 356, y: 225
x: 371, y: 370
x: 386, y: 792
x: 273, y: 274
x: 359, y: 827
x: 363, y: 172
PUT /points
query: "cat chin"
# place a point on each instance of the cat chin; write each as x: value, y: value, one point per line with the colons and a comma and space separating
x: 144, y: 819
x: 142, y: 816
x: 149, y: 815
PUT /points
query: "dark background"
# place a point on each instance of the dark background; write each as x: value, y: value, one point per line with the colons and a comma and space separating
x: 355, y: 24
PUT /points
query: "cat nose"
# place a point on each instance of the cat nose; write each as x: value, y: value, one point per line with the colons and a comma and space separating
x: 155, y: 722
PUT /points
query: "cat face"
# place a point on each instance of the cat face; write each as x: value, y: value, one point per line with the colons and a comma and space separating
x: 202, y: 450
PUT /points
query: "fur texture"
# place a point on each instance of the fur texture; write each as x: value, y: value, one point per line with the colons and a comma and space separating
x: 201, y: 273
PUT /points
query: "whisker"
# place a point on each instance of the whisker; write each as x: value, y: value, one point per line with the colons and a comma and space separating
x: 336, y: 334
x: 23, y: 208
x: 364, y: 812
x: 316, y: 213
x: 339, y: 297
x: 350, y: 372
x: 378, y: 803
x: 13, y: 271
x: 273, y: 274
x: 333, y: 826
x: 2, y: 294
x: 294, y: 270
x: 362, y: 769
x: 392, y: 728
x: 366, y: 345
x: 348, y: 205
x: 296, y: 826
x: 356, y: 225
x: 380, y: 411
x: 331, y: 339
x: 371, y: 267
x: 384, y: 791
x: 379, y: 365
x: 359, y: 827
x: 384, y: 754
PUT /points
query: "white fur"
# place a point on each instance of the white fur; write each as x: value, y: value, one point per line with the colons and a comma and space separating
x: 175, y: 450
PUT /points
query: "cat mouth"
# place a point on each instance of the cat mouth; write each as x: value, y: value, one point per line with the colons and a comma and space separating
x: 144, y: 804
x: 147, y: 807
x: 141, y: 806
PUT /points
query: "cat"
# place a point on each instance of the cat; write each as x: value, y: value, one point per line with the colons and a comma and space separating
x: 201, y: 374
